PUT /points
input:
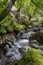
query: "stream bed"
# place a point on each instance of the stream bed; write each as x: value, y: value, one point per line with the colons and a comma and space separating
x: 13, y: 47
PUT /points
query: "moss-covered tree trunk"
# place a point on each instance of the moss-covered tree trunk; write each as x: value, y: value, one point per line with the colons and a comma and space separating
x: 6, y: 11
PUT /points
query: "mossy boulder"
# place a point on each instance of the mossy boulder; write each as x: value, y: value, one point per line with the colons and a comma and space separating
x: 31, y: 57
x: 37, y: 36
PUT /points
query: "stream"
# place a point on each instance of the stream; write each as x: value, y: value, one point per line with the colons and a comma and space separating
x: 13, y: 47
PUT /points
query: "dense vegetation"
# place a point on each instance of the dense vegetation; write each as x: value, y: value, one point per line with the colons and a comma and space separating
x: 29, y: 8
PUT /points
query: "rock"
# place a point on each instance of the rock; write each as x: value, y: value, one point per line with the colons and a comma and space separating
x: 36, y: 29
x: 13, y: 9
x: 13, y: 53
x: 9, y: 54
x: 41, y: 51
x: 25, y: 48
x: 4, y: 60
x: 34, y: 46
x: 41, y: 47
x: 29, y: 28
x: 35, y: 24
x: 34, y: 42
x: 25, y: 35
x: 37, y: 36
x: 16, y: 57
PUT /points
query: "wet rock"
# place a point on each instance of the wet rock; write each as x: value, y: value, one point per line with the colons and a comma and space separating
x: 41, y: 27
x: 10, y: 37
x: 34, y: 44
x: 36, y: 29
x: 37, y: 36
x: 41, y: 51
x: 35, y: 24
x: 25, y: 48
x: 13, y: 54
x: 41, y: 47
x: 25, y: 35
x: 29, y: 28
x: 36, y: 41
x: 4, y: 60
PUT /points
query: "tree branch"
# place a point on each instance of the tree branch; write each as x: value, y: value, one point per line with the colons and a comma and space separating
x: 37, y: 4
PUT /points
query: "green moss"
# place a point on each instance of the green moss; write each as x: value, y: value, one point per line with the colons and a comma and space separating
x: 3, y: 30
x: 6, y: 22
x: 10, y: 28
x: 10, y: 25
x: 18, y: 26
x: 31, y: 57
x: 3, y: 5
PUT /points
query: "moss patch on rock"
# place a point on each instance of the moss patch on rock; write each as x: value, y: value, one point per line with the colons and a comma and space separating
x: 37, y: 36
x: 31, y: 57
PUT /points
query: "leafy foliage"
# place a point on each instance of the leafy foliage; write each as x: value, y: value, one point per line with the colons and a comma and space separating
x: 3, y: 4
x: 27, y: 7
x: 30, y: 7
x: 8, y: 24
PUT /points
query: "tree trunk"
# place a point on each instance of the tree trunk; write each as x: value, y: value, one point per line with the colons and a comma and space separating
x: 6, y: 11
